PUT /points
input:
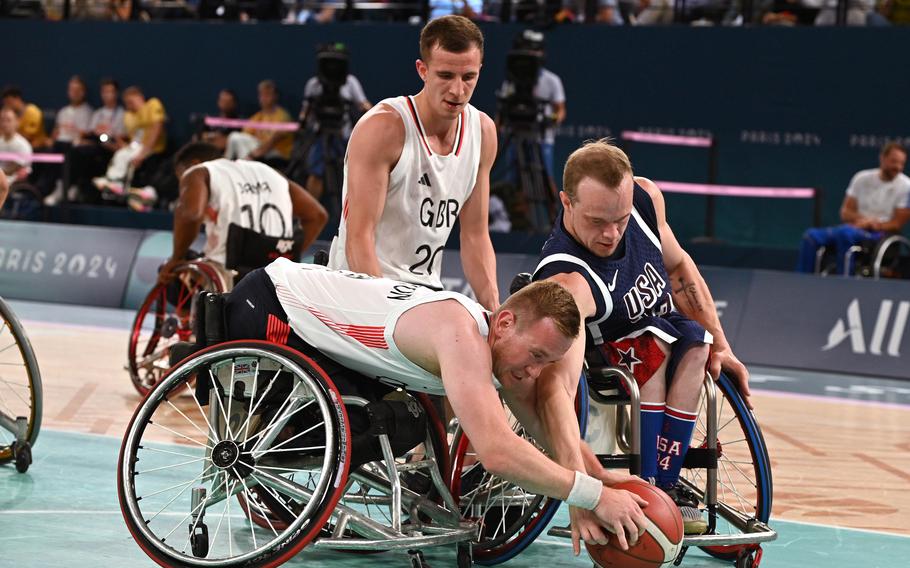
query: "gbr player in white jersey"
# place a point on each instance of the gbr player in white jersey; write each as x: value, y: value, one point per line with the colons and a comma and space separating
x: 416, y: 164
x: 376, y: 330
x: 216, y: 192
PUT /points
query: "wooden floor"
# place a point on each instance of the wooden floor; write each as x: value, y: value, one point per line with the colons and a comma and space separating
x: 835, y: 462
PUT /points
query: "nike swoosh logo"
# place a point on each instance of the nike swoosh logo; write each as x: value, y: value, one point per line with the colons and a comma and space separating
x: 612, y: 285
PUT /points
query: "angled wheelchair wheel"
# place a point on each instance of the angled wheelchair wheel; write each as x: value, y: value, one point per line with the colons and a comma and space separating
x: 260, y: 420
x: 367, y: 491
x: 744, y: 485
x: 163, y: 320
x: 20, y: 392
x: 509, y: 518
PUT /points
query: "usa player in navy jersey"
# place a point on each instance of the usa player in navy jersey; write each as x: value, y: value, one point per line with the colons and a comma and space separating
x: 645, y: 303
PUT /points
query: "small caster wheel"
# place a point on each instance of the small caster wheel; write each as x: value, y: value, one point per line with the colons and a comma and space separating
x: 199, y: 540
x: 744, y: 560
x: 417, y: 559
x: 22, y: 453
x: 465, y: 556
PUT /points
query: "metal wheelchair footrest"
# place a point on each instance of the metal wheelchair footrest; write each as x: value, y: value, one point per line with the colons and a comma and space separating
x: 428, y: 536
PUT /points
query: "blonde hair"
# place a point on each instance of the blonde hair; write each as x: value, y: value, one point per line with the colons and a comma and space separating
x: 545, y: 299
x: 455, y: 34
x: 597, y: 159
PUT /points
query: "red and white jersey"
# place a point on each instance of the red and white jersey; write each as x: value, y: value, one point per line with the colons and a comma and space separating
x: 351, y: 318
x: 246, y: 193
x: 426, y: 193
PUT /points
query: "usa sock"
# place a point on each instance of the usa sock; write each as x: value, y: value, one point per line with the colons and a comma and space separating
x: 672, y: 445
x: 652, y: 420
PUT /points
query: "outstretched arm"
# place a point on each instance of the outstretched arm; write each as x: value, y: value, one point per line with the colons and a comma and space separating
x: 373, y: 151
x: 311, y: 213
x: 477, y: 256
x: 692, y: 296
x: 189, y: 215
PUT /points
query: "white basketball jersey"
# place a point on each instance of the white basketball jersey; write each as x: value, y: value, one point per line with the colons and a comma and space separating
x: 246, y: 193
x: 426, y: 194
x: 351, y: 318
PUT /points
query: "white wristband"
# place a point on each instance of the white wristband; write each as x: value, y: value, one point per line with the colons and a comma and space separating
x: 585, y: 492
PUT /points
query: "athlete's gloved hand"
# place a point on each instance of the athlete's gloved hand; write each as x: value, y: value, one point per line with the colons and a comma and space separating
x: 166, y: 273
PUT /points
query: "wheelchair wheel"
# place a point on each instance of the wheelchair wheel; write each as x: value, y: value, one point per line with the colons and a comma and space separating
x: 260, y: 418
x: 743, y: 467
x: 362, y: 497
x: 509, y: 517
x: 164, y: 319
x: 20, y: 392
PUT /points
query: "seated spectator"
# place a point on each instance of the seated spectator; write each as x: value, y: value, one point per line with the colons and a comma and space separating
x: 227, y: 108
x: 877, y: 203
x: 605, y: 12
x: 788, y: 13
x: 890, y: 12
x: 31, y: 119
x: 72, y: 121
x: 651, y: 12
x: 858, y: 11
x: 11, y: 142
x: 472, y: 9
x: 137, y: 163
x: 265, y: 145
x: 92, y: 152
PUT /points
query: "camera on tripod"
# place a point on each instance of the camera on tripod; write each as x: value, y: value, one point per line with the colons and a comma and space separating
x: 329, y: 108
x: 518, y: 107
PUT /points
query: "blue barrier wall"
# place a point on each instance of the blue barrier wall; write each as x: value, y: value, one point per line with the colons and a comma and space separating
x: 770, y: 318
x: 805, y: 107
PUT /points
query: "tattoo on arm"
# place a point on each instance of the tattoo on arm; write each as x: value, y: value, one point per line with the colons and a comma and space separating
x: 689, y: 291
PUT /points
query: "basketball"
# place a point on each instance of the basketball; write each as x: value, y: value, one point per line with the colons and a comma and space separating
x: 661, y: 541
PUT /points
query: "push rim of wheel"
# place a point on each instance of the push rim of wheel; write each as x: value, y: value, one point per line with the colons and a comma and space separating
x: 744, y: 469
x: 20, y: 384
x: 168, y: 454
x: 159, y: 324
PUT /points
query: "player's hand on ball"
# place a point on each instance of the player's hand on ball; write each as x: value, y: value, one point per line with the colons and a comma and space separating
x: 619, y: 511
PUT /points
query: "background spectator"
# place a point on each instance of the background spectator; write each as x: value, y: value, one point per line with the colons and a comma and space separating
x: 227, y: 108
x: 136, y: 162
x: 13, y: 142
x: 106, y: 133
x: 71, y: 122
x: 877, y: 202
x: 254, y: 143
x: 31, y: 119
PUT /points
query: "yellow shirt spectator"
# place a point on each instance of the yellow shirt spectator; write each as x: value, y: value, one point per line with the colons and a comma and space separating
x: 152, y: 112
x: 31, y: 126
x: 285, y: 140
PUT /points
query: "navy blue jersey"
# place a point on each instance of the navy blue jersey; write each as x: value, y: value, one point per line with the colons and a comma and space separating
x: 631, y: 288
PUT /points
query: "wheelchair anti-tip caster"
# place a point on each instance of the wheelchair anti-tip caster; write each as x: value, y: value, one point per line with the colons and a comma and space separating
x: 199, y: 540
x: 749, y: 558
x: 22, y: 453
x: 417, y: 559
x: 465, y: 556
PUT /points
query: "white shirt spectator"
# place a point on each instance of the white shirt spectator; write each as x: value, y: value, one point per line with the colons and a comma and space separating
x: 16, y: 144
x: 109, y: 121
x: 72, y: 121
x: 499, y: 216
x: 877, y: 199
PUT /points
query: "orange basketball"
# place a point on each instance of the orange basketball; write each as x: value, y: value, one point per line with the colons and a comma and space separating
x: 660, y: 543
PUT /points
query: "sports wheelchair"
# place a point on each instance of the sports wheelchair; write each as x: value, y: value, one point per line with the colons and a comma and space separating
x: 20, y: 392
x: 265, y: 425
x: 165, y: 316
x: 727, y: 467
x: 885, y: 258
